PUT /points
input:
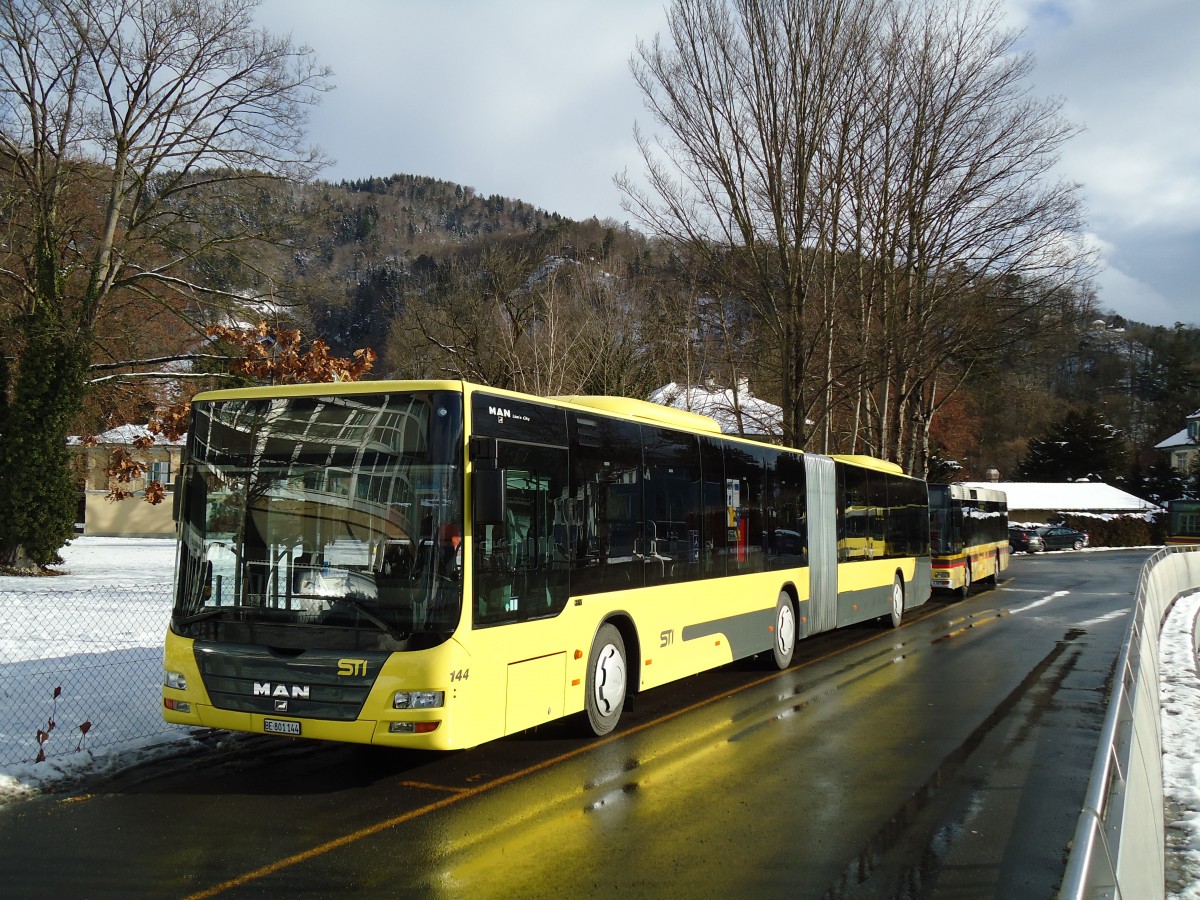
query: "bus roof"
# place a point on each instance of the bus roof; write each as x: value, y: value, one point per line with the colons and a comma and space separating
x: 627, y: 407
x: 326, y: 389
x: 869, y: 462
x: 646, y: 411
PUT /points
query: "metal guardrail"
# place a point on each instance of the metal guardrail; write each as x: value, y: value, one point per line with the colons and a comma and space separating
x: 1119, y: 849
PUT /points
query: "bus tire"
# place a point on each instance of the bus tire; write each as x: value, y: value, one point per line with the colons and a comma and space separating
x: 966, y: 585
x: 897, y: 614
x: 606, y: 680
x: 783, y: 646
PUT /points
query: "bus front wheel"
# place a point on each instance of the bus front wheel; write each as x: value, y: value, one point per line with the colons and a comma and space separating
x: 606, y: 680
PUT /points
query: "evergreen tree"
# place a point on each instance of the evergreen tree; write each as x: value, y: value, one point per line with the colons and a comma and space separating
x: 1081, y: 446
x: 1158, y: 483
x: 37, y: 493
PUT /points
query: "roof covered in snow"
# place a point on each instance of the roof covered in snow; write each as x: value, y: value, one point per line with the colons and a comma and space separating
x: 126, y: 435
x: 723, y: 404
x: 1179, y: 439
x: 1067, y: 496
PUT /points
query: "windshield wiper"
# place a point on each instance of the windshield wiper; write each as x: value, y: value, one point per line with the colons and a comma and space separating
x: 382, y: 624
x: 203, y: 614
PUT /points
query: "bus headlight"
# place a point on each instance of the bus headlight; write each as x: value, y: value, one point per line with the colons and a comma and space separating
x: 174, y: 680
x: 418, y: 699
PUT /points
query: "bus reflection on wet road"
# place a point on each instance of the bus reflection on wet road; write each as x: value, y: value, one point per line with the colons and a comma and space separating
x: 946, y: 759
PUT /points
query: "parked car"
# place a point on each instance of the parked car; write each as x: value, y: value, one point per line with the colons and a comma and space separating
x: 1060, y: 537
x: 1024, y: 540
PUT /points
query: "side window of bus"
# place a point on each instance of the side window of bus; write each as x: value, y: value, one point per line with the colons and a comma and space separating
x: 606, y: 535
x: 748, y: 535
x: 881, y: 519
x: 714, y: 533
x: 673, y: 506
x: 909, y: 524
x: 521, y: 570
x: 854, y: 513
x: 786, y: 519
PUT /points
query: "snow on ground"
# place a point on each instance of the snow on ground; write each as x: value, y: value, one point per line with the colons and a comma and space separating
x: 92, y: 561
x: 136, y: 629
x: 95, y: 631
x: 1179, y: 694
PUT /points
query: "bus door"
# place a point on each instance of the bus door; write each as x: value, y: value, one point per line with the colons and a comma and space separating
x: 821, y: 490
x: 521, y: 563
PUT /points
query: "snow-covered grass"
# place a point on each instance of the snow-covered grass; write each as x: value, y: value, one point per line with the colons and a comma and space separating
x: 95, y: 634
x: 30, y: 641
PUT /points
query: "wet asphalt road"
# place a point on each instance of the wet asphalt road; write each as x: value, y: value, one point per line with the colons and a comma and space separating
x: 946, y: 759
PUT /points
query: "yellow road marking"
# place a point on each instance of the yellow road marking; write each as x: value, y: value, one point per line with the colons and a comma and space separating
x: 429, y: 786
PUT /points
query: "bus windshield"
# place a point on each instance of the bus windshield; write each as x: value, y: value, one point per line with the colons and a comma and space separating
x: 331, y: 521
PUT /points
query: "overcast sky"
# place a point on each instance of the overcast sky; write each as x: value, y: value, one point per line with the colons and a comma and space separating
x: 533, y: 100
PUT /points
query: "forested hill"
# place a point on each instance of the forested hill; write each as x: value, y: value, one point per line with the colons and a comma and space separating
x: 363, y: 245
x: 443, y: 281
x: 405, y: 208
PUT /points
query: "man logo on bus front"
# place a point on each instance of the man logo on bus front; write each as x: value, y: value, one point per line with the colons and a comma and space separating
x: 282, y: 691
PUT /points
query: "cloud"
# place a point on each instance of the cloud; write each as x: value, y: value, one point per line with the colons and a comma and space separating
x: 1127, y: 73
x: 1123, y: 292
x: 535, y: 101
x: 531, y: 101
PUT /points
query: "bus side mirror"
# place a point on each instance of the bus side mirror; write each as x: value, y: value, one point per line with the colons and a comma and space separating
x: 490, y: 496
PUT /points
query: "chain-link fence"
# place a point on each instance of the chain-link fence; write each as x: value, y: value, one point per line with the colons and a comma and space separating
x: 80, y: 669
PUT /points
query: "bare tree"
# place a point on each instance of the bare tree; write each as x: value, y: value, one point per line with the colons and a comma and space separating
x: 872, y: 179
x: 746, y: 94
x: 529, y: 317
x: 121, y: 122
x: 474, y: 319
x: 965, y: 204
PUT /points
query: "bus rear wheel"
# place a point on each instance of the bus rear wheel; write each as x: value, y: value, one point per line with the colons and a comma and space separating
x: 606, y: 680
x: 897, y: 602
x: 784, y: 646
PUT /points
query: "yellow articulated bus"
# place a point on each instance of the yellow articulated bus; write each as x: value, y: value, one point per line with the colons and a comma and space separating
x: 436, y: 564
x: 969, y: 533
